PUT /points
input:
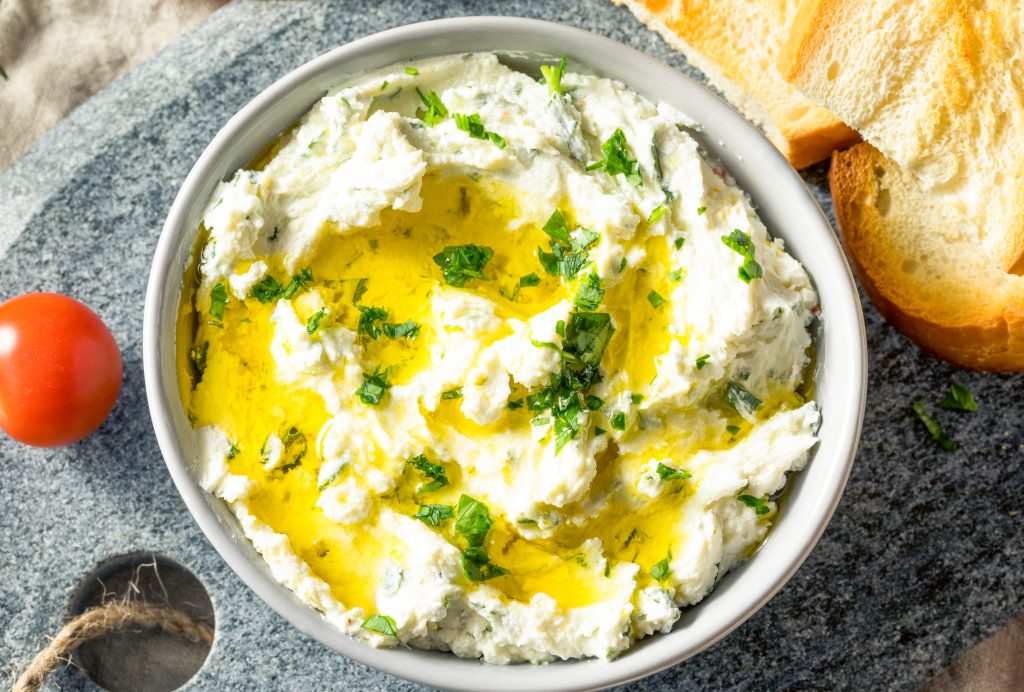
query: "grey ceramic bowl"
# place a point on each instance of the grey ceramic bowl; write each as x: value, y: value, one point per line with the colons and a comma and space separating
x: 785, y: 206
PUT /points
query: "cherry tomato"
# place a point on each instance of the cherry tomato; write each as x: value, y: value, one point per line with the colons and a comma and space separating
x: 60, y: 369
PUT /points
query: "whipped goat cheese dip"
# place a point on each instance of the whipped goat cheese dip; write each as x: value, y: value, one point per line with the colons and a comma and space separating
x: 495, y: 365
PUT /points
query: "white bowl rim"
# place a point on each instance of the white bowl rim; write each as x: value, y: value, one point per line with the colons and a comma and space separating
x: 741, y: 148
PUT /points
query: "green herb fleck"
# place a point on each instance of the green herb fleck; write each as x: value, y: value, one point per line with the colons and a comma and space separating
x: 474, y: 126
x: 590, y: 293
x: 381, y: 624
x: 944, y: 440
x: 436, y: 472
x: 618, y: 421
x: 657, y: 213
x: 655, y: 299
x: 360, y: 289
x: 233, y: 451
x: 661, y: 570
x: 668, y: 473
x: 412, y: 71
x: 758, y: 504
x: 313, y: 323
x: 732, y: 429
x: 452, y: 394
x: 530, y: 279
x: 299, y: 281
x: 679, y: 242
x: 959, y: 398
x: 740, y: 399
x: 374, y: 387
x: 616, y: 160
x: 266, y: 289
x: 472, y: 520
x: 408, y: 330
x: 701, y: 210
x: 460, y: 263
x: 434, y: 514
x: 434, y: 112
x: 553, y: 76
x: 198, y: 356
x: 703, y: 360
x: 675, y: 275
x: 740, y: 242
x: 218, y: 300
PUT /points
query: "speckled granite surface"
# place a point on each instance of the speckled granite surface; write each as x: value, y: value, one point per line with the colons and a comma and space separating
x: 923, y: 558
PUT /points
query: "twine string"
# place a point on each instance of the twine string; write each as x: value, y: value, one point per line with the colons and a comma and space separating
x: 98, y: 621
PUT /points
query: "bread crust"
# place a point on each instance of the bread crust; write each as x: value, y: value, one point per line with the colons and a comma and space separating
x: 707, y: 33
x: 971, y: 318
x: 936, y: 85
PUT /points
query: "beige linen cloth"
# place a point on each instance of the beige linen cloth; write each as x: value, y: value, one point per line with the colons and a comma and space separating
x: 57, y: 53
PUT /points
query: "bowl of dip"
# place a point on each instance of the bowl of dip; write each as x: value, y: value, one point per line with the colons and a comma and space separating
x: 456, y: 351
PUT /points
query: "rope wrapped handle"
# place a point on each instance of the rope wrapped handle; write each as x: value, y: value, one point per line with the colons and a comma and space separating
x: 96, y: 622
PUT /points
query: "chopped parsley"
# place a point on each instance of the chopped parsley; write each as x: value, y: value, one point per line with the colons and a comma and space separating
x: 675, y: 275
x: 360, y: 289
x: 370, y: 321
x: 269, y: 289
x: 452, y: 394
x: 657, y: 213
x: 218, y: 300
x: 472, y: 522
x: 435, y: 472
x: 530, y: 279
x: 701, y: 210
x: 593, y: 403
x: 3, y: 73
x: 669, y: 473
x: 661, y: 570
x: 434, y: 514
x: 703, y: 360
x: 472, y: 125
x: 732, y: 429
x: 655, y: 299
x: 636, y: 398
x: 679, y: 242
x: 374, y: 387
x: 266, y: 289
x: 313, y: 323
x: 434, y: 111
x: 740, y: 242
x: 959, y: 398
x: 553, y: 76
x: 584, y: 339
x: 568, y: 249
x: 460, y: 263
x: 515, y: 404
x: 198, y: 356
x: 586, y: 336
x: 407, y: 330
x: 741, y: 400
x: 590, y: 293
x: 381, y: 624
x: 618, y: 421
x: 758, y: 504
x: 412, y: 71
x: 936, y: 431
x: 616, y: 160
x: 295, y: 447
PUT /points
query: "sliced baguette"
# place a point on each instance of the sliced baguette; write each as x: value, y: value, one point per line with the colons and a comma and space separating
x: 938, y: 87
x: 734, y: 43
x: 915, y: 254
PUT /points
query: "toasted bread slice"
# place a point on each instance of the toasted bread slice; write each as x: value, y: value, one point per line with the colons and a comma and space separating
x: 938, y: 87
x: 915, y: 253
x: 734, y: 43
